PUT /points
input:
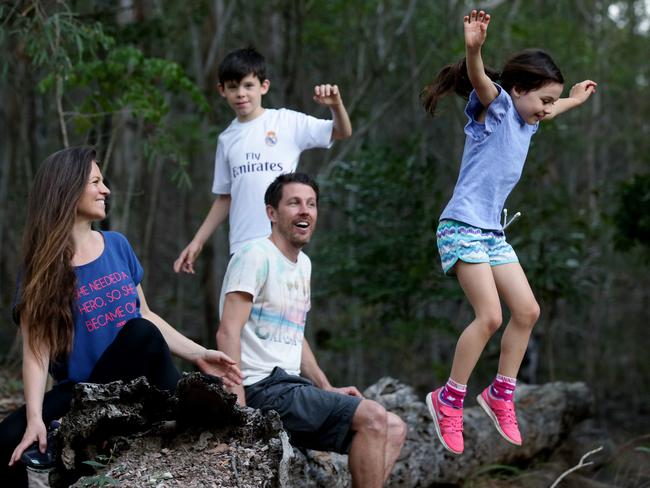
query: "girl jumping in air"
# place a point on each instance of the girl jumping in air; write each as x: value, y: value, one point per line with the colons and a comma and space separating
x: 502, y: 118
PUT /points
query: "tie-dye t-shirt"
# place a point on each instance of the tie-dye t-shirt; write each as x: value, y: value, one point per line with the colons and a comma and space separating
x: 274, y: 331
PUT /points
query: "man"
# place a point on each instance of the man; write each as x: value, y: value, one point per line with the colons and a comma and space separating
x: 264, y: 302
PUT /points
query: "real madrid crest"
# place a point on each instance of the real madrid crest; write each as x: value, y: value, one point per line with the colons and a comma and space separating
x: 271, y: 139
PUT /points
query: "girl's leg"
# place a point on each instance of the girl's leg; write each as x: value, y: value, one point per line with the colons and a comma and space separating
x: 479, y: 286
x: 445, y: 404
x: 56, y: 403
x: 138, y: 350
x: 516, y: 293
x: 497, y: 399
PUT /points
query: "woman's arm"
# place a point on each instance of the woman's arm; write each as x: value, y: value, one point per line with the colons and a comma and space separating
x: 475, y: 28
x: 35, y: 370
x: 209, y: 361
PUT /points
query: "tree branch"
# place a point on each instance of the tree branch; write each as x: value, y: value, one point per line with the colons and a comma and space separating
x: 580, y: 465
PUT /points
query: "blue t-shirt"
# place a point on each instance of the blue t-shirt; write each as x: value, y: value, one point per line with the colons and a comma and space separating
x: 105, y: 299
x: 493, y: 159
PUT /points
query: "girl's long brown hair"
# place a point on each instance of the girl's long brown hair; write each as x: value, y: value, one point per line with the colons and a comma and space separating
x: 526, y: 70
x: 48, y: 281
x: 452, y: 77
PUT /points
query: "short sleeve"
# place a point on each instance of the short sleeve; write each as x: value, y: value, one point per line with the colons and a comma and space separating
x: 311, y: 132
x: 496, y: 113
x: 135, y: 268
x: 247, y: 271
x: 222, y: 182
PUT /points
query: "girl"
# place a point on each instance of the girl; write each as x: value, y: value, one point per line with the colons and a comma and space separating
x: 471, y: 241
x: 81, y: 309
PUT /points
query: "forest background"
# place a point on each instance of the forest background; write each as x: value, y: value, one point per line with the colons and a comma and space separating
x: 137, y: 78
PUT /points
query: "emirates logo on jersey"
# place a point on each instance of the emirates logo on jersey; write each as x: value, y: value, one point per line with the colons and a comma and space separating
x: 271, y: 139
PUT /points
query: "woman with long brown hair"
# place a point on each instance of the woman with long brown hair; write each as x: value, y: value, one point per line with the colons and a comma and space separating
x: 81, y: 309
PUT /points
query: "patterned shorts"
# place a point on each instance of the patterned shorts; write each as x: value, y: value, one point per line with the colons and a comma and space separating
x: 457, y: 240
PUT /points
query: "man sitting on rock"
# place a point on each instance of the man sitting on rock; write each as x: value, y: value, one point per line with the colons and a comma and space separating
x: 264, y: 302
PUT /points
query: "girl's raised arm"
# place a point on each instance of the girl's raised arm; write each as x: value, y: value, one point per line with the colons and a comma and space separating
x: 475, y: 28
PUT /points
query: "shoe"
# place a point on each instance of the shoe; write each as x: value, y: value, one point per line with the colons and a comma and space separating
x: 503, y: 416
x: 33, y: 458
x: 448, y: 422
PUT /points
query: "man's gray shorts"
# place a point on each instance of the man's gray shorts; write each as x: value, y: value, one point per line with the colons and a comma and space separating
x: 313, y: 418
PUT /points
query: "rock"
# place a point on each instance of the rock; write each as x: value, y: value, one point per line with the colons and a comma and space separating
x: 546, y: 415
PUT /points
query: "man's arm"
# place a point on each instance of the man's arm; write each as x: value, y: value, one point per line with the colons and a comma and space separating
x: 309, y: 368
x: 237, y: 307
x: 330, y: 96
x: 578, y: 95
x: 217, y: 214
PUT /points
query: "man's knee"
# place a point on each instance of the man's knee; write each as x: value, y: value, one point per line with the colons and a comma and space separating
x: 370, y: 417
x: 396, y: 429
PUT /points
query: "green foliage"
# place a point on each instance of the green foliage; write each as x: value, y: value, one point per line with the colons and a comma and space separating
x: 98, y: 79
x: 632, y: 216
x: 127, y: 80
x: 551, y: 239
x: 380, y: 262
x: 55, y: 40
x: 170, y: 145
x: 370, y: 193
x: 100, y: 480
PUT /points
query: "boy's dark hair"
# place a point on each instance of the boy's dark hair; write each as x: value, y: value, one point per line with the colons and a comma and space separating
x: 241, y: 63
x: 273, y: 193
x: 527, y: 70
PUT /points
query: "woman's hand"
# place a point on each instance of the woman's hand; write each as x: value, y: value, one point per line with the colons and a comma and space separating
x: 35, y: 432
x: 475, y: 27
x: 217, y: 363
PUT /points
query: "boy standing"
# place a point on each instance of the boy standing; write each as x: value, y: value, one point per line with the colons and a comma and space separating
x: 256, y: 147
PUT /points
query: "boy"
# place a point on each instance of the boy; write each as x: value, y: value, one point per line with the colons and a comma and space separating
x: 256, y: 147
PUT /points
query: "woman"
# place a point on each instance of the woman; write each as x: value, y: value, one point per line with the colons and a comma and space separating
x: 81, y: 309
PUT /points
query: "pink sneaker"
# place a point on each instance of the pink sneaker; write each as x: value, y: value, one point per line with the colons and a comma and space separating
x: 502, y: 414
x: 448, y: 422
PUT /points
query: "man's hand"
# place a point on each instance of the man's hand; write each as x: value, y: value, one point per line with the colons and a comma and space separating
x: 583, y: 90
x: 187, y: 257
x: 327, y: 95
x: 217, y: 363
x: 475, y: 27
x: 347, y: 390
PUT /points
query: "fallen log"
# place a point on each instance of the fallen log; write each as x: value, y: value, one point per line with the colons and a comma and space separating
x: 201, y: 437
